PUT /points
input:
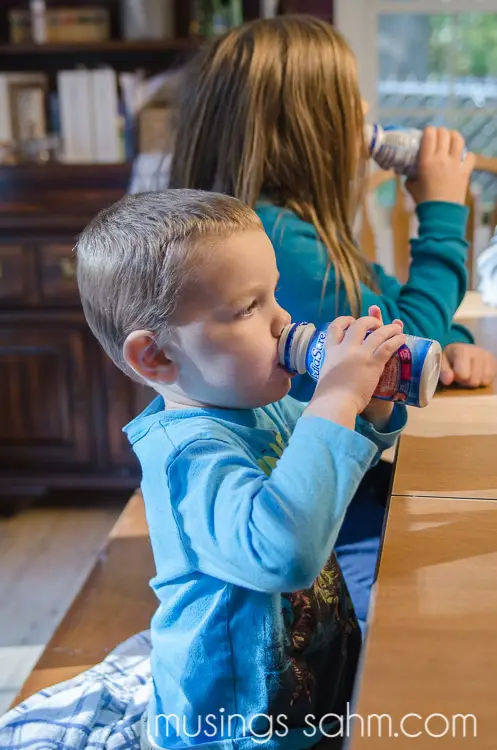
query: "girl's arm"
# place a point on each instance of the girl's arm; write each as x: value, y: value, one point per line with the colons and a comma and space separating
x: 426, y: 303
x: 391, y: 287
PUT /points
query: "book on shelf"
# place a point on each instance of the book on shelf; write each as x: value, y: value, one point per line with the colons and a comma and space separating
x: 6, y: 130
x: 89, y: 117
x: 147, y: 19
x: 107, y: 145
x: 75, y: 106
x: 58, y: 25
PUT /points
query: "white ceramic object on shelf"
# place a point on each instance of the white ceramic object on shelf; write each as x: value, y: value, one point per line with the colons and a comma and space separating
x: 38, y: 21
x: 147, y: 19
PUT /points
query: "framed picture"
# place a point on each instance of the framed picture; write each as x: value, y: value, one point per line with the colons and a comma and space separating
x: 27, y: 107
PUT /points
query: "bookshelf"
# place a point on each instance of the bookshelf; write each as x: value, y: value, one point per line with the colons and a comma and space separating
x: 62, y: 402
x: 111, y: 45
x: 23, y: 56
x: 150, y: 55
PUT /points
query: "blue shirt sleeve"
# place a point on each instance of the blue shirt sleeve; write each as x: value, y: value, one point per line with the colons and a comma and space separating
x: 388, y: 438
x: 275, y: 533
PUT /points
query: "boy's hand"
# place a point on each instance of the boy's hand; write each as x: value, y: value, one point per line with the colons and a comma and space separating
x: 352, y: 367
x: 442, y: 173
x: 467, y: 365
x: 378, y: 412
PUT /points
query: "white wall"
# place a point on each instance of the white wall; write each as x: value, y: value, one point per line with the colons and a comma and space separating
x: 356, y: 20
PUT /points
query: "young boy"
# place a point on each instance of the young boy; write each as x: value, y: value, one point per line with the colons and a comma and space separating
x: 254, y: 640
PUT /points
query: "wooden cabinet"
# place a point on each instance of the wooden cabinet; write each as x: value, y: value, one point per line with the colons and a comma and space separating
x: 13, y: 278
x: 62, y: 401
x: 58, y: 283
x: 46, y: 388
x: 126, y: 399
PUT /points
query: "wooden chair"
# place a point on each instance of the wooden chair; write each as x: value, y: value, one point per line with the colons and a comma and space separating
x: 402, y: 215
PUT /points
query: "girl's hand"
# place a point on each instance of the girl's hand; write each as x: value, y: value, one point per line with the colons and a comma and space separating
x: 467, y: 365
x: 442, y: 173
x: 352, y: 367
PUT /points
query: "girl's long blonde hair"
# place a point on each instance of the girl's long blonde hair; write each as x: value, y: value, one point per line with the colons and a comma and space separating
x: 272, y: 109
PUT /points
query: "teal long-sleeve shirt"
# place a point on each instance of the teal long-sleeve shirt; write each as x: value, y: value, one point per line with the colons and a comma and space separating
x: 426, y: 303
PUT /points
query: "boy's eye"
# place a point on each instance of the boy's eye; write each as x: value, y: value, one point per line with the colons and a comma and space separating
x: 247, y: 310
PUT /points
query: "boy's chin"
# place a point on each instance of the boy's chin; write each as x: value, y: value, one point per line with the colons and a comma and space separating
x: 273, y: 395
x: 250, y: 399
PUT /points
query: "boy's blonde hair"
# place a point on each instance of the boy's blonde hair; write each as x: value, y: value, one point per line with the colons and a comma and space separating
x: 133, y: 259
x: 272, y: 109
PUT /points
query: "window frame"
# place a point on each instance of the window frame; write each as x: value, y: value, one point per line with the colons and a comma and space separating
x: 356, y: 19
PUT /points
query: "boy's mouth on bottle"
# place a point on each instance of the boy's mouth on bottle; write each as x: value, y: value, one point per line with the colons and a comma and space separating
x: 287, y: 372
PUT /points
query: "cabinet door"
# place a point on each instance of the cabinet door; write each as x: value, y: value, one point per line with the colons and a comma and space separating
x: 12, y: 274
x: 45, y: 387
x: 126, y: 399
x: 58, y: 274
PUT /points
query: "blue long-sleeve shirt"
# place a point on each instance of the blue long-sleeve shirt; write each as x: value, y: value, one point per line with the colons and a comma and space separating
x: 426, y: 303
x: 244, y: 507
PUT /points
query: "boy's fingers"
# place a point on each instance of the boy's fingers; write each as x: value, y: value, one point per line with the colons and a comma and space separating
x: 358, y: 330
x: 377, y: 338
x: 387, y: 349
x: 336, y: 329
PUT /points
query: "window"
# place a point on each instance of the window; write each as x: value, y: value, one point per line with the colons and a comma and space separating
x: 429, y: 61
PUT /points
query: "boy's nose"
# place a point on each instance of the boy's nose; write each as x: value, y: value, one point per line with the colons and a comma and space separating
x: 281, y: 320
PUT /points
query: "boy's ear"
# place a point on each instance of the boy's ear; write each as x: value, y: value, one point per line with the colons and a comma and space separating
x: 142, y: 354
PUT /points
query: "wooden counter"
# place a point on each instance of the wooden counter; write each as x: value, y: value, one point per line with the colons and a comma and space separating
x: 430, y: 651
x: 431, y: 641
x: 450, y: 447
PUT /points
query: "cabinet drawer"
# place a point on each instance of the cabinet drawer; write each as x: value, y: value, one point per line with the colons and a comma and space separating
x: 12, y: 273
x: 58, y: 273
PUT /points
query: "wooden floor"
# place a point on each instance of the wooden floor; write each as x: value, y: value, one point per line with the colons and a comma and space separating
x: 46, y: 552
